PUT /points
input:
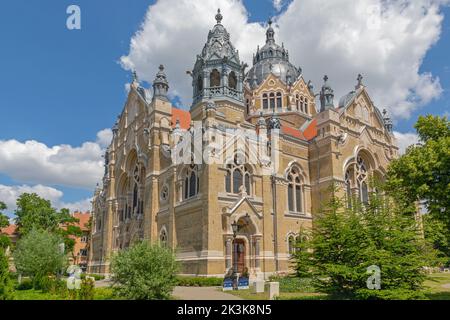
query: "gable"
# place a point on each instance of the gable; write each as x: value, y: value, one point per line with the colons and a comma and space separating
x: 360, y: 106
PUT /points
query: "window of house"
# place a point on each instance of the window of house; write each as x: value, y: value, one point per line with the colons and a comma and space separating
x: 295, y: 190
x: 272, y: 100
x: 265, y: 101
x: 279, y: 100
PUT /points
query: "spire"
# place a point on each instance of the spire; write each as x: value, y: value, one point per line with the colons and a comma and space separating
x: 161, y: 85
x: 326, y: 95
x: 270, y: 34
x: 219, y: 17
x: 387, y: 121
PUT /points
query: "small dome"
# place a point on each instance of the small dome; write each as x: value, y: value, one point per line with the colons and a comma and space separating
x: 271, y: 58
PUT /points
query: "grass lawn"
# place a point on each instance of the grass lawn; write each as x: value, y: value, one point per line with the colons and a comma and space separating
x: 100, y: 294
x: 437, y: 287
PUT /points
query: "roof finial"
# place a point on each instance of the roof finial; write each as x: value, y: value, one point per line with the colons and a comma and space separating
x: 135, y: 77
x: 270, y: 34
x: 325, y: 78
x: 359, y: 79
x: 219, y: 17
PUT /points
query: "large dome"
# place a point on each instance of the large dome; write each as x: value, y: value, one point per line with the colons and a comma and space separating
x: 271, y: 58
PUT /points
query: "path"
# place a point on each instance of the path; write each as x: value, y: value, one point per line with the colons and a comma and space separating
x: 202, y: 293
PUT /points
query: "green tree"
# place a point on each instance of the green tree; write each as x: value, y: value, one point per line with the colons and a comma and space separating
x: 422, y: 173
x: 346, y: 241
x: 38, y: 255
x: 4, y: 221
x: 6, y: 289
x: 34, y: 212
x: 144, y: 272
x: 5, y: 242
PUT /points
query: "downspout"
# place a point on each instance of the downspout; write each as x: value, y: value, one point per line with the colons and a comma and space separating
x: 275, y: 222
x: 318, y: 170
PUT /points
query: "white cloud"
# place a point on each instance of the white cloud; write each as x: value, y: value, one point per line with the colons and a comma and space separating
x: 9, y: 195
x: 340, y: 38
x: 33, y: 162
x: 174, y: 32
x: 104, y: 137
x: 278, y: 4
x: 404, y: 140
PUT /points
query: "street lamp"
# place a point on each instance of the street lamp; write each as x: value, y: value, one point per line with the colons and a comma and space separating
x: 234, y: 226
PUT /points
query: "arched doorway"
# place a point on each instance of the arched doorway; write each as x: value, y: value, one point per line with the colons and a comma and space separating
x: 244, y: 247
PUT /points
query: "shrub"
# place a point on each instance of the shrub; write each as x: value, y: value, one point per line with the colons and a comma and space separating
x: 25, y: 284
x: 144, y: 272
x: 390, y: 294
x: 38, y: 255
x: 96, y: 277
x: 6, y: 288
x: 87, y: 289
x: 184, y: 281
x: 294, y: 284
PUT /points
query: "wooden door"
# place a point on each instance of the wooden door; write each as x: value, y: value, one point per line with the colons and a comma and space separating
x: 240, y: 255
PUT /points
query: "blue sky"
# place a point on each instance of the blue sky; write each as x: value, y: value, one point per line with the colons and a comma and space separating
x: 62, y: 87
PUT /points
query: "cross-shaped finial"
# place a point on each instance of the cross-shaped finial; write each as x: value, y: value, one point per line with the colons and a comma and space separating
x: 360, y: 78
x: 325, y: 78
x: 270, y: 22
x: 161, y: 68
x: 135, y: 77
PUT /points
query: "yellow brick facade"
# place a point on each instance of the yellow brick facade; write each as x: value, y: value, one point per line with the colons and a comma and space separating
x: 144, y: 192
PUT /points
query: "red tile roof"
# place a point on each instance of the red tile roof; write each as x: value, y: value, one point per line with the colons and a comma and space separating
x: 183, y: 116
x: 9, y: 230
x: 292, y: 132
x: 311, y: 131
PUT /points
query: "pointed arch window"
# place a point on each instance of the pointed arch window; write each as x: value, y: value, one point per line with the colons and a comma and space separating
x: 214, y: 78
x: 297, y: 102
x: 361, y: 178
x: 306, y: 106
x: 348, y: 187
x: 291, y: 244
x: 279, y: 100
x: 163, y: 238
x: 191, y: 182
x: 295, y: 194
x: 199, y: 83
x: 232, y: 80
x: 265, y: 100
x: 238, y: 175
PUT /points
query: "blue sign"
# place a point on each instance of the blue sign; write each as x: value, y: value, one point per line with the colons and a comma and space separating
x: 243, y: 283
x: 227, y: 284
